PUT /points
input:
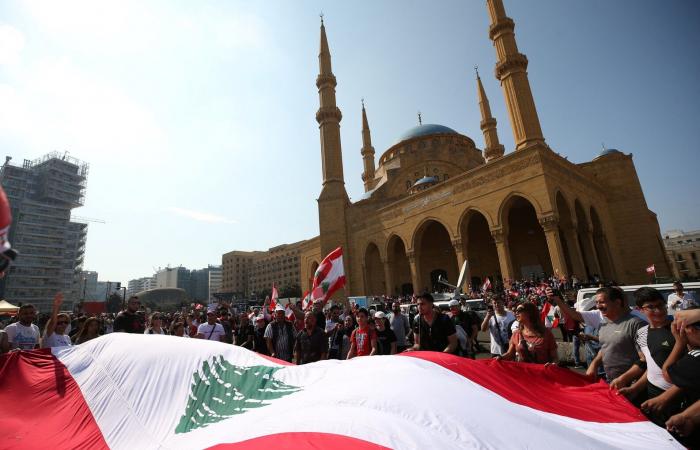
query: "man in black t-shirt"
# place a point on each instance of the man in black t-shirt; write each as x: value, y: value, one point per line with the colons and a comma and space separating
x: 435, y: 331
x: 244, y: 334
x: 386, y: 338
x: 129, y: 321
x: 685, y: 372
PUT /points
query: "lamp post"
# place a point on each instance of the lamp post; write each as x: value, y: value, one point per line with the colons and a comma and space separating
x: 124, y: 297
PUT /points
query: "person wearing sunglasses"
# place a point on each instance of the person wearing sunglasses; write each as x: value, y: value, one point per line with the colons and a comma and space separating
x: 532, y: 342
x: 55, y: 332
x: 129, y: 321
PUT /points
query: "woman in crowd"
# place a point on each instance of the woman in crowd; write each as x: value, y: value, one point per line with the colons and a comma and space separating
x: 177, y: 328
x: 155, y: 324
x: 532, y: 342
x: 55, y: 331
x: 89, y: 330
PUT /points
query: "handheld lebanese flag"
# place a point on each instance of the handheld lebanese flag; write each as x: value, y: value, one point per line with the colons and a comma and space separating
x: 486, y: 286
x: 128, y: 391
x: 306, y: 301
x: 651, y: 269
x: 329, y: 277
x: 288, y: 312
x: 547, y: 316
x: 273, y: 298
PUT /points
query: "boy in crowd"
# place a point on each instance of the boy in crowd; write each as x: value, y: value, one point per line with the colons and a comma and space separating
x: 655, y: 341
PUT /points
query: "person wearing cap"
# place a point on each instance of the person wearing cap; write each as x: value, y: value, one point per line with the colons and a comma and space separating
x: 386, y: 339
x: 468, y: 324
x: 435, y: 331
x: 259, y: 342
x: 311, y: 344
x: 211, y: 330
x: 279, y: 336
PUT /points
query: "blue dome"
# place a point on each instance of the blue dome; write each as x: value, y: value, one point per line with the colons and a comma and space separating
x: 609, y: 151
x: 425, y: 180
x: 425, y: 130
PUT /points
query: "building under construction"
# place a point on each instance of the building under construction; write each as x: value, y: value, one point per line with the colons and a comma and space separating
x: 51, y: 247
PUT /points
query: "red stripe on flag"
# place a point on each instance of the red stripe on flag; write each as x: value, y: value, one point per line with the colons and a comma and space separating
x: 42, y: 405
x: 549, y: 389
x: 301, y: 441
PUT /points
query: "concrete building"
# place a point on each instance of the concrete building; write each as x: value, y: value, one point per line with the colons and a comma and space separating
x: 42, y: 194
x: 246, y: 273
x: 175, y: 277
x: 88, y: 281
x: 236, y: 266
x: 215, y: 280
x: 683, y: 250
x: 141, y: 284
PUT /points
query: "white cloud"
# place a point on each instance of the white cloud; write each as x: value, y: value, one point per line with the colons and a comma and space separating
x: 200, y: 216
x: 11, y: 45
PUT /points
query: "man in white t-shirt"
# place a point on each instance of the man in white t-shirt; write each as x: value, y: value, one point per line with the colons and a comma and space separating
x: 24, y: 335
x: 498, y: 321
x: 211, y: 330
x: 679, y: 300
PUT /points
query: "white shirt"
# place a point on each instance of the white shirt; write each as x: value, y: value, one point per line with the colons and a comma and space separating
x: 24, y: 338
x: 206, y: 330
x: 499, y: 332
x: 677, y: 303
x: 56, y: 340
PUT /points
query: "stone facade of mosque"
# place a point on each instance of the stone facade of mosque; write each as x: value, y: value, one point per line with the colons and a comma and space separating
x: 434, y: 200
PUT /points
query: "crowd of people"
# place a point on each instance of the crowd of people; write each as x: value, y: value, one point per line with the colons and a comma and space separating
x: 648, y: 352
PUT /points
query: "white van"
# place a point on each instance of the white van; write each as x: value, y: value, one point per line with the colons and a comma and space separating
x: 585, y: 300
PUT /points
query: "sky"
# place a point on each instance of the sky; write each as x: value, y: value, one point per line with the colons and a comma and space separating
x: 198, y: 118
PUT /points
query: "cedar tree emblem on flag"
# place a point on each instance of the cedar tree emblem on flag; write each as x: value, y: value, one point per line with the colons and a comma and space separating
x: 329, y: 277
x: 221, y: 390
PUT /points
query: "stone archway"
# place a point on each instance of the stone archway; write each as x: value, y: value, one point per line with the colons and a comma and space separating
x: 569, y: 239
x: 479, y: 248
x: 399, y: 268
x: 602, y: 249
x: 435, y: 254
x: 585, y: 239
x: 373, y: 271
x: 526, y: 240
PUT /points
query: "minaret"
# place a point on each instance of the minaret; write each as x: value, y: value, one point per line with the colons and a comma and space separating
x: 367, y: 152
x: 493, y: 148
x: 511, y: 71
x: 333, y: 201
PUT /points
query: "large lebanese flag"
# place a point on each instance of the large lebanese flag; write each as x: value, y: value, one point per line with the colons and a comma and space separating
x: 329, y: 277
x: 125, y: 391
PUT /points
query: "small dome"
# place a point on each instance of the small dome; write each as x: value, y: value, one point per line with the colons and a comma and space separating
x: 425, y: 130
x: 608, y: 151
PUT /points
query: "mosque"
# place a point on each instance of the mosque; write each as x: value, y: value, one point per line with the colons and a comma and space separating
x: 433, y: 199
